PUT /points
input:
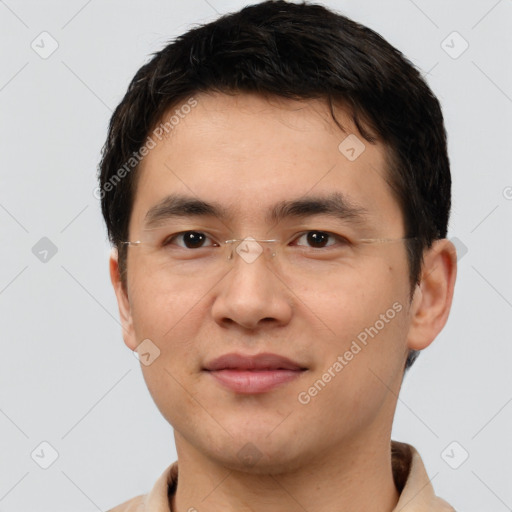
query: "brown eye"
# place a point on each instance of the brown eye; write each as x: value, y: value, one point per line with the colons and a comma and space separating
x: 188, y: 240
x: 320, y: 239
x: 317, y: 238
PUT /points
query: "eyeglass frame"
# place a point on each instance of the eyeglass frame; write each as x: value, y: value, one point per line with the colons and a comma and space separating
x: 138, y: 243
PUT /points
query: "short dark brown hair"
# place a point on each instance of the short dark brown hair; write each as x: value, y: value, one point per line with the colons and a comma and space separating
x: 298, y: 51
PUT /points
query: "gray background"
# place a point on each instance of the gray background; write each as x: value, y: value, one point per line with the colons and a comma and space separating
x: 66, y: 377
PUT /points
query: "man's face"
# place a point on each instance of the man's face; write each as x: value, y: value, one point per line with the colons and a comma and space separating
x: 348, y: 306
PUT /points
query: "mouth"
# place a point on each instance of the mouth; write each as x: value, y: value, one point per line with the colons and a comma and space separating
x: 253, y: 374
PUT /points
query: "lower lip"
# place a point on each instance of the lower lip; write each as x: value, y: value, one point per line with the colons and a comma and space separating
x: 247, y: 381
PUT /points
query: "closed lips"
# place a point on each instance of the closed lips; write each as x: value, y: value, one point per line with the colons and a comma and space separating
x: 259, y: 362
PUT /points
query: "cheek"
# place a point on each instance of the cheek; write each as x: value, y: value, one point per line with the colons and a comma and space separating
x: 171, y: 319
x: 163, y: 311
x: 360, y: 367
x: 368, y: 324
x: 355, y: 302
x: 169, y: 389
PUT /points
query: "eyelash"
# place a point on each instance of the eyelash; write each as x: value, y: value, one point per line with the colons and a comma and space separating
x: 341, y: 239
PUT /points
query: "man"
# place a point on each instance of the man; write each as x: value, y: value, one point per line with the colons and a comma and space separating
x: 277, y: 188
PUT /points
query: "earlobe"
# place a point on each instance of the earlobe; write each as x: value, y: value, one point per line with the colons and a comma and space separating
x: 123, y: 302
x: 433, y: 296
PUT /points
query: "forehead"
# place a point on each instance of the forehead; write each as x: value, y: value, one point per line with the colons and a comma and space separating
x: 249, y: 153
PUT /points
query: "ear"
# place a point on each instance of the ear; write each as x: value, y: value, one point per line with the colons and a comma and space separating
x: 433, y: 296
x: 122, y: 302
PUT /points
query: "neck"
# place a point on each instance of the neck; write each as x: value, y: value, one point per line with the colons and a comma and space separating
x: 357, y: 476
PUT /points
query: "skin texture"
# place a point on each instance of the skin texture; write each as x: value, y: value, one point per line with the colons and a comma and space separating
x: 248, y: 153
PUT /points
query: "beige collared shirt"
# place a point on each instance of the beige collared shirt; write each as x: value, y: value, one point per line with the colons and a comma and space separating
x: 411, y: 480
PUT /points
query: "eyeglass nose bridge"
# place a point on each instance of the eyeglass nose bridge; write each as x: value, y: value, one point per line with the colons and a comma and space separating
x: 249, y: 248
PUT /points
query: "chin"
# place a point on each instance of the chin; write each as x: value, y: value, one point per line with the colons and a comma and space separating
x: 258, y: 453
x: 260, y: 463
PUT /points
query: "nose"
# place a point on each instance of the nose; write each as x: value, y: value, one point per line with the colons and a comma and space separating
x: 251, y: 295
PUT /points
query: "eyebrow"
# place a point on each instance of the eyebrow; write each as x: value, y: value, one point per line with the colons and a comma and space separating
x: 334, y: 205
